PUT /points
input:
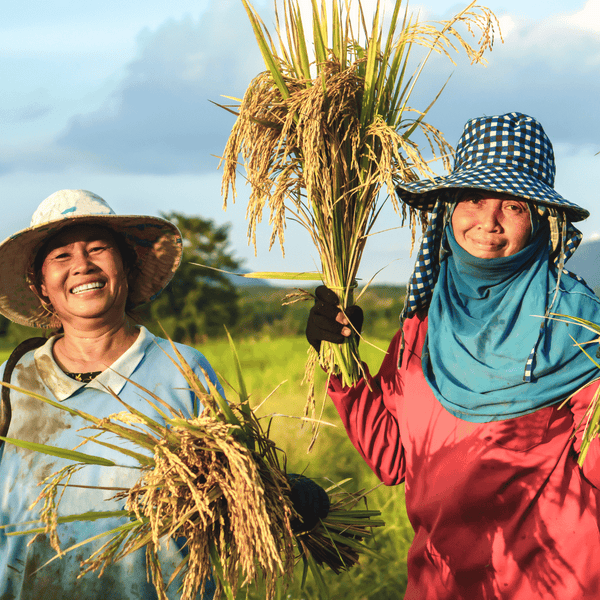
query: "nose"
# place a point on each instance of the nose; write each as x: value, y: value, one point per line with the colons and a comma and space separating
x: 489, y: 218
x: 82, y: 263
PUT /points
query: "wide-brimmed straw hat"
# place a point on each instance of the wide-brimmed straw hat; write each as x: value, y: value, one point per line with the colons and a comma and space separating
x: 509, y: 154
x: 156, y: 241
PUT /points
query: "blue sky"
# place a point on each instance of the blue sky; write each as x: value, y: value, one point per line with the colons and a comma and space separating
x: 115, y: 98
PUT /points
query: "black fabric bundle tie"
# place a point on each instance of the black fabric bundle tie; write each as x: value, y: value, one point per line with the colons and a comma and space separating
x: 310, y: 501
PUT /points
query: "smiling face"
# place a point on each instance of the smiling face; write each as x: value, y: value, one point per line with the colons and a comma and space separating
x: 490, y: 225
x: 83, y: 277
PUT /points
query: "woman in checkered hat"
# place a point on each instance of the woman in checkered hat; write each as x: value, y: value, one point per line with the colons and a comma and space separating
x: 78, y: 270
x: 478, y: 405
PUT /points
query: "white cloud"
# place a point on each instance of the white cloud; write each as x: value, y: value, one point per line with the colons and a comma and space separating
x: 587, y: 19
x: 507, y: 25
x: 545, y: 68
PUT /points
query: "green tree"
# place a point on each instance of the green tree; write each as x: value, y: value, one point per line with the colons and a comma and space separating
x: 198, y: 302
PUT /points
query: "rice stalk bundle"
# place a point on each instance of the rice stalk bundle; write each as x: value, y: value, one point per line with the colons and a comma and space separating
x: 215, y: 480
x: 321, y: 135
x: 592, y: 415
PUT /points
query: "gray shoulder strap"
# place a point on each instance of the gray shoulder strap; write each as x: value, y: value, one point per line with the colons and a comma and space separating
x: 11, y: 363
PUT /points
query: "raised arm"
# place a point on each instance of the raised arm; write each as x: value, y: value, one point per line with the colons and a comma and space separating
x: 367, y: 409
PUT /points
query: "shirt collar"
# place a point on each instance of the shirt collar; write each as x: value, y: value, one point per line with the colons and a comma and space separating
x: 113, y: 377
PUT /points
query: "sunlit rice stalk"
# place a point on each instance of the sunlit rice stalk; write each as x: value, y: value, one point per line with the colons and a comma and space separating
x: 327, y: 126
x: 217, y: 481
x: 592, y: 414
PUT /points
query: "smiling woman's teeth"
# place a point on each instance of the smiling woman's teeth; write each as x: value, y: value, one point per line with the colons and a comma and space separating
x: 87, y: 286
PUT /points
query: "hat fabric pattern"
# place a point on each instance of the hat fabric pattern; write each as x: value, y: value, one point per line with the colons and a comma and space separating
x: 509, y: 154
x: 156, y: 241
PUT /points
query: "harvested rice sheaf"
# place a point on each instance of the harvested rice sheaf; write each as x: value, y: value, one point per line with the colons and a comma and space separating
x: 217, y: 481
x: 208, y: 487
x: 328, y: 130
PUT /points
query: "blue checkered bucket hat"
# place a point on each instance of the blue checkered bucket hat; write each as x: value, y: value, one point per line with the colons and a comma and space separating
x: 509, y: 154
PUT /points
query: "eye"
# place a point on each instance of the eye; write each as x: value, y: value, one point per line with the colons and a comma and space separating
x: 59, y: 255
x: 469, y: 200
x: 515, y: 207
x: 97, y: 247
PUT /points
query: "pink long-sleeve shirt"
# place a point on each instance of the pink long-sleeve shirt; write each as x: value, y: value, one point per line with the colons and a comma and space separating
x: 500, y: 510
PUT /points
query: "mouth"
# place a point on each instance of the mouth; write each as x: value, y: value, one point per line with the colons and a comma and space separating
x: 86, y: 287
x: 492, y: 244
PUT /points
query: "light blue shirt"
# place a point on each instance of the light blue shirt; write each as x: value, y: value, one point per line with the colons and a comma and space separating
x: 23, y: 575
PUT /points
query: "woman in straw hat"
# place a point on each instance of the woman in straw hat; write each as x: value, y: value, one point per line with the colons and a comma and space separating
x: 79, y: 268
x: 478, y: 404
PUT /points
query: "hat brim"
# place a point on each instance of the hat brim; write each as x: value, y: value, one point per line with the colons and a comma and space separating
x: 157, y: 243
x: 423, y: 194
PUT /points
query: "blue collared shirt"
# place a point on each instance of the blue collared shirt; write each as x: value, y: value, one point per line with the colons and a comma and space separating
x: 23, y: 576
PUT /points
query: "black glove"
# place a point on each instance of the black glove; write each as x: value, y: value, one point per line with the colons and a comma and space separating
x: 310, y: 501
x: 322, y: 324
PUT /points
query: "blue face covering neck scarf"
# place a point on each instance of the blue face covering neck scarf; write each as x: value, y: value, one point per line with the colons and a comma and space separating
x: 486, y: 323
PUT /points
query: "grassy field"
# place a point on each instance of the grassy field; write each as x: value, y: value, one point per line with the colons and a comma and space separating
x: 273, y: 369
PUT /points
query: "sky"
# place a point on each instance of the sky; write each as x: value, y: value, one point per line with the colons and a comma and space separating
x: 117, y: 98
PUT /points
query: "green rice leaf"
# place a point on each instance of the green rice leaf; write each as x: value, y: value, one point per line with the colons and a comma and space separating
x: 300, y: 57
x: 111, y: 532
x: 89, y: 516
x: 78, y: 457
x: 300, y: 276
x: 318, y: 577
x: 373, y: 47
x: 147, y: 395
x: 243, y: 394
x: 152, y: 424
x: 265, y: 49
x: 51, y: 402
x: 595, y: 327
x: 592, y: 428
x: 305, y: 570
x: 319, y: 32
x: 337, y: 38
x: 218, y: 567
x: 145, y: 440
x: 144, y: 460
x: 224, y: 407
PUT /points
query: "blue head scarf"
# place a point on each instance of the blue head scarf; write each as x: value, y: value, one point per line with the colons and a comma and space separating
x: 489, y: 353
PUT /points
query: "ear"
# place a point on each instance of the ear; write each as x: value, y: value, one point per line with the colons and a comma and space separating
x: 40, y: 293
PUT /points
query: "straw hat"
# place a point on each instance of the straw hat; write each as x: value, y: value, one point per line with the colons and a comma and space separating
x: 509, y: 154
x: 156, y: 242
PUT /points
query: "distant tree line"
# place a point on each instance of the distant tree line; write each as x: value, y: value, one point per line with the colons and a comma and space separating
x: 262, y: 312
x: 201, y: 301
